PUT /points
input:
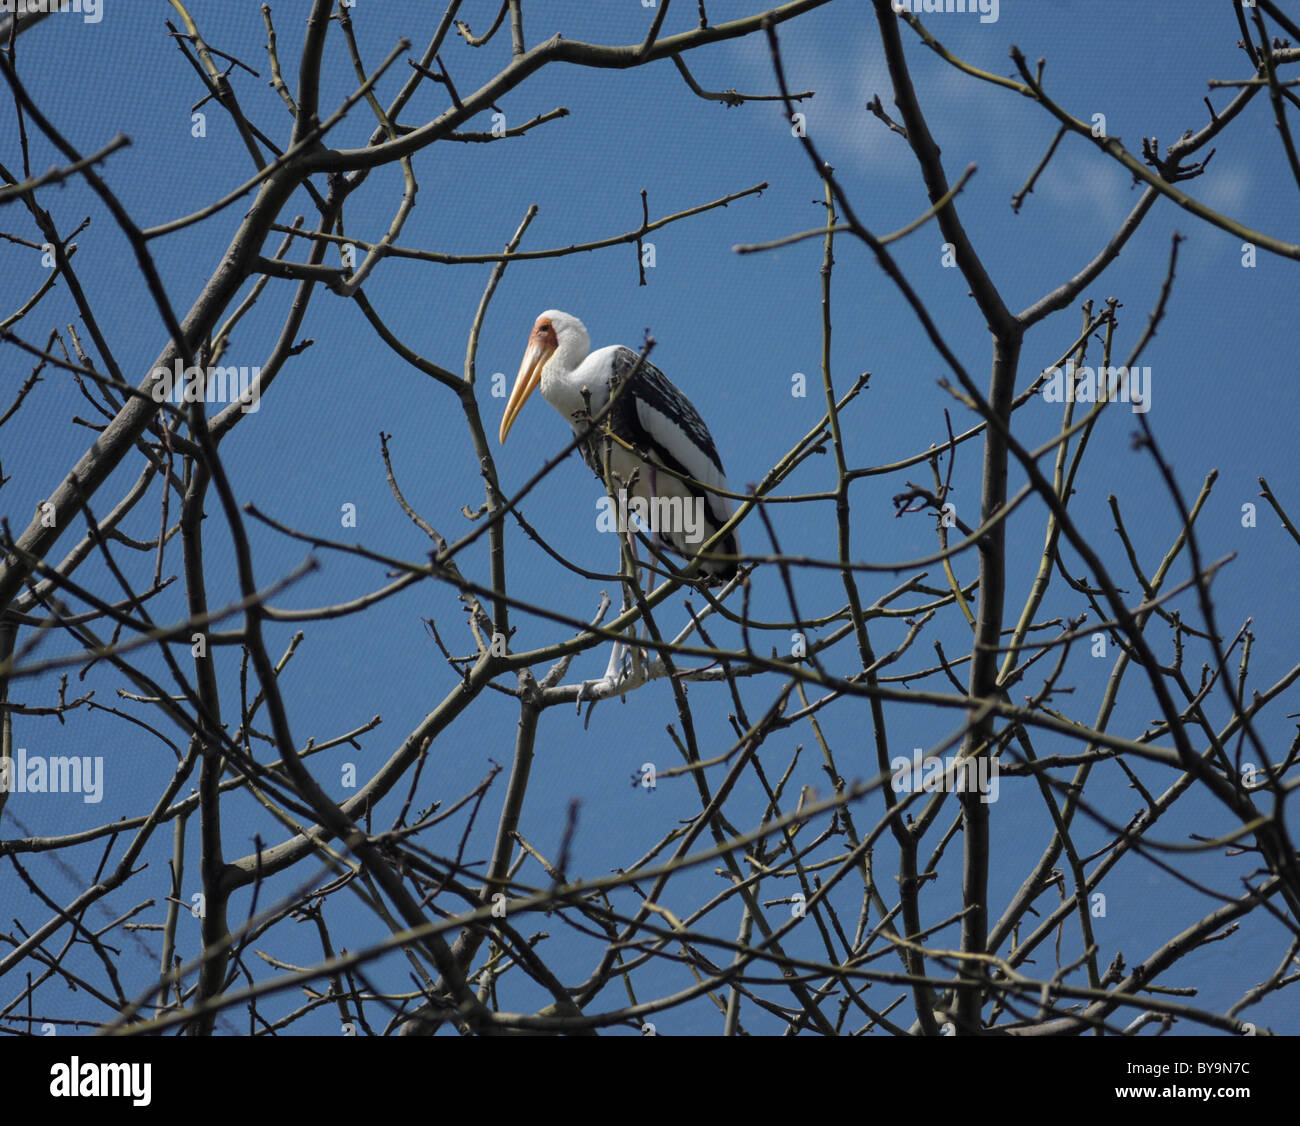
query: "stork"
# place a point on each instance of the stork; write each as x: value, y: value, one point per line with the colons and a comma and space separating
x: 662, y: 462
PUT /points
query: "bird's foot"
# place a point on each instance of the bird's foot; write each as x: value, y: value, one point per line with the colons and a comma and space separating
x: 608, y: 684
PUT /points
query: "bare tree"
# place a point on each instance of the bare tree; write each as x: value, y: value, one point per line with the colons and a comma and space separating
x: 856, y: 892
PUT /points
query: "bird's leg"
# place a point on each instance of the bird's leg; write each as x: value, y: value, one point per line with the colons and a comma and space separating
x: 641, y: 657
x: 605, y: 685
x: 637, y: 656
x: 632, y: 566
x: 615, y: 668
x: 614, y: 672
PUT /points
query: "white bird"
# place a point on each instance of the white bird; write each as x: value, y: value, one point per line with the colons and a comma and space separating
x: 652, y: 427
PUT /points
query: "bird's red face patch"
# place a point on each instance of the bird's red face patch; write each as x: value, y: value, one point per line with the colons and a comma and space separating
x: 544, y: 334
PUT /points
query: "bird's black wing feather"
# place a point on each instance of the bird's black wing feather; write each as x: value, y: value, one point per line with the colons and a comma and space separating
x: 653, y: 388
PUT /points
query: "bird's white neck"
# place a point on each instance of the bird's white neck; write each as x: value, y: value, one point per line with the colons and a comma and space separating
x: 571, y: 369
x: 570, y: 351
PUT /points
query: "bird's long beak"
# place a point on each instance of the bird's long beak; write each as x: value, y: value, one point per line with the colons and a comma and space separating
x: 530, y: 375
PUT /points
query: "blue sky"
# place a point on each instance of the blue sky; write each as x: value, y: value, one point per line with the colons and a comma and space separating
x: 730, y: 330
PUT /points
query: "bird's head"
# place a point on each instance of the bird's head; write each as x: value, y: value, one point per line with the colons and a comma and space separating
x: 556, y: 336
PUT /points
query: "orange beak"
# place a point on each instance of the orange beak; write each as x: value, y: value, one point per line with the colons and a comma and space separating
x: 541, y: 346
